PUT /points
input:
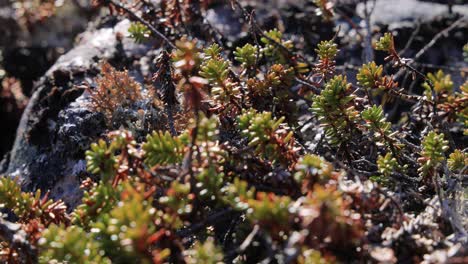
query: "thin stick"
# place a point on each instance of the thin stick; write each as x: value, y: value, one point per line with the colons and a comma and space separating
x: 245, y: 244
x: 438, y: 36
x: 431, y: 43
x: 309, y: 85
x: 249, y: 239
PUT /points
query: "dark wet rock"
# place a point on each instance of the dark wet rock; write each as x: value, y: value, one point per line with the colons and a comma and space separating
x: 58, y: 125
x: 226, y: 22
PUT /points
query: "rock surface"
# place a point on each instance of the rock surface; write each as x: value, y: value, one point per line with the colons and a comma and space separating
x: 28, y: 48
x: 58, y: 125
x: 397, y: 11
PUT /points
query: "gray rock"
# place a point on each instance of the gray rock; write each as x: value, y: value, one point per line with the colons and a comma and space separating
x: 388, y: 12
x: 226, y: 21
x: 58, y: 125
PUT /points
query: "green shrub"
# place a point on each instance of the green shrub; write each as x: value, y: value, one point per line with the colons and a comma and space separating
x: 268, y: 159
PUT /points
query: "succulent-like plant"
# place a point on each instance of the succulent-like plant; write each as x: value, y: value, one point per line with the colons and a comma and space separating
x: 270, y: 211
x: 237, y: 194
x: 327, y: 51
x: 335, y: 111
x: 240, y: 172
x: 387, y: 165
x: 381, y: 129
x: 369, y: 75
x: 207, y: 252
x: 273, y: 89
x: 128, y: 229
x: 162, y: 148
x: 28, y: 206
x: 187, y: 56
x: 100, y: 199
x: 177, y: 200
x: 434, y: 146
x: 386, y: 43
x: 12, y: 197
x: 274, y: 46
x: 101, y: 160
x: 247, y: 55
x: 72, y: 244
x: 265, y: 135
x: 458, y: 161
x: 441, y: 82
x: 259, y: 127
x: 139, y: 32
x: 311, y: 170
x: 215, y: 69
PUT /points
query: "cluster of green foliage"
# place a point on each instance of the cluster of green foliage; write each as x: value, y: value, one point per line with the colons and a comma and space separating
x: 385, y: 43
x: 334, y: 108
x: 272, y: 39
x: 442, y: 83
x: 139, y: 32
x: 247, y: 55
x: 235, y: 175
x: 433, y: 154
x: 163, y: 148
x: 458, y: 161
x: 265, y: 135
x: 27, y: 206
x: 327, y: 51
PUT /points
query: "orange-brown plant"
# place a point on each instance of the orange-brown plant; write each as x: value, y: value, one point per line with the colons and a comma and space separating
x: 115, y: 88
